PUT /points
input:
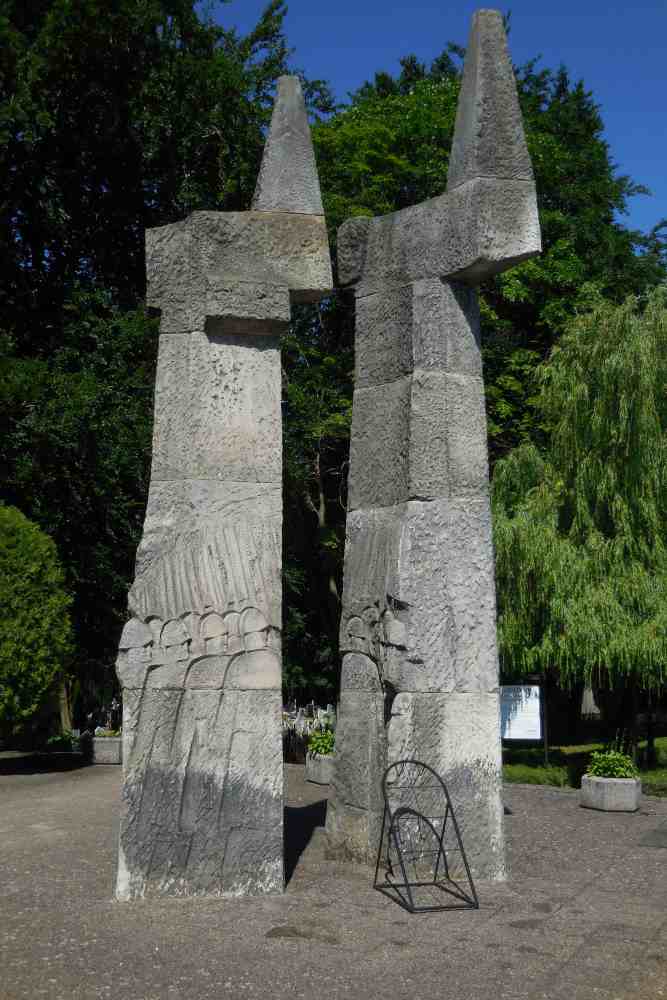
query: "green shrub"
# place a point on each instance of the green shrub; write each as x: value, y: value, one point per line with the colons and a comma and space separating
x: 322, y: 742
x: 529, y: 774
x: 35, y: 630
x: 611, y: 764
x: 62, y: 742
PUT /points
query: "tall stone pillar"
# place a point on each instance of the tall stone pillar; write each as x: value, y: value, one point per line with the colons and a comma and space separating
x: 200, y: 660
x: 418, y: 630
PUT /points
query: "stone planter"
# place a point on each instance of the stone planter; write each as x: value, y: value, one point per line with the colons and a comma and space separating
x: 610, y: 794
x: 319, y: 768
x: 107, y: 750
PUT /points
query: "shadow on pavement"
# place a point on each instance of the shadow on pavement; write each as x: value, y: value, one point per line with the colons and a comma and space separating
x: 41, y: 763
x: 300, y: 824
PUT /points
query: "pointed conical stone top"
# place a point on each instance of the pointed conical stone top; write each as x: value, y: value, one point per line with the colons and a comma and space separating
x: 488, y: 137
x: 288, y: 180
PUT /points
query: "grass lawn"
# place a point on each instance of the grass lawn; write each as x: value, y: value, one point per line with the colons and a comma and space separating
x: 568, y: 763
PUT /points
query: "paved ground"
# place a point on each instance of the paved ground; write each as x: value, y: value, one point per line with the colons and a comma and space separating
x: 584, y: 916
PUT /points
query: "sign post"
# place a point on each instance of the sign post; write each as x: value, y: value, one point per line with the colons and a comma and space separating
x: 523, y: 716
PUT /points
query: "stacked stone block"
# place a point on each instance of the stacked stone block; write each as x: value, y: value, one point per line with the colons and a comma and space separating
x: 200, y: 659
x: 418, y: 631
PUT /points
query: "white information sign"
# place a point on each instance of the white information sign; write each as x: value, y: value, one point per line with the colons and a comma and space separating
x: 520, y: 715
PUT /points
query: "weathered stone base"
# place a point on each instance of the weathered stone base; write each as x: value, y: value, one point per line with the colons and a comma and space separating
x: 107, y: 750
x: 610, y: 794
x: 455, y: 734
x: 419, y: 676
x: 203, y: 796
x: 354, y: 810
x: 320, y: 768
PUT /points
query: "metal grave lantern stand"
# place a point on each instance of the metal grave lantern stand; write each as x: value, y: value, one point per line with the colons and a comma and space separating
x: 421, y: 851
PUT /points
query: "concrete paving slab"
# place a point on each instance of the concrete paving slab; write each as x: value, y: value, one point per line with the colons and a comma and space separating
x: 583, y: 916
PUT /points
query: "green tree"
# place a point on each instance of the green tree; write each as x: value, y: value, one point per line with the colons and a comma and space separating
x: 75, y: 441
x: 389, y: 149
x: 113, y: 119
x: 580, y: 528
x: 35, y: 632
x: 317, y: 365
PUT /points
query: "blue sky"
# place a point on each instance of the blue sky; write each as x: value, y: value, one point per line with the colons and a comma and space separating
x: 619, y: 50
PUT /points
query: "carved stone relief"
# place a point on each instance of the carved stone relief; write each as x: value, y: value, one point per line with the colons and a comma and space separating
x: 418, y: 636
x: 200, y: 659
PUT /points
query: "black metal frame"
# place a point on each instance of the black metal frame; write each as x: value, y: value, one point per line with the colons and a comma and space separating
x: 414, y: 772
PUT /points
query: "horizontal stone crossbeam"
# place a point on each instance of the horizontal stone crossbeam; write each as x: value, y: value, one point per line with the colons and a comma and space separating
x: 480, y: 228
x: 487, y: 221
x: 242, y: 269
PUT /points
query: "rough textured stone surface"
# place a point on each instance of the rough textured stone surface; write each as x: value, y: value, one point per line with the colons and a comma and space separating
x: 379, y: 446
x: 418, y: 629
x: 200, y: 659
x: 400, y: 329
x: 419, y: 596
x: 107, y: 750
x: 319, y: 768
x: 203, y: 429
x: 354, y: 816
x: 476, y: 230
x: 488, y: 137
x: 458, y: 734
x: 452, y: 306
x: 241, y: 268
x: 422, y: 436
x: 611, y: 794
x: 288, y: 178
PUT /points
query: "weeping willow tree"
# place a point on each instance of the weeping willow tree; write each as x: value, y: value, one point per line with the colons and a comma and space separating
x: 580, y: 526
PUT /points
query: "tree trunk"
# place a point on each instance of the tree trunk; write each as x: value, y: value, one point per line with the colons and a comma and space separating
x: 63, y: 704
x: 333, y: 597
x: 651, y: 758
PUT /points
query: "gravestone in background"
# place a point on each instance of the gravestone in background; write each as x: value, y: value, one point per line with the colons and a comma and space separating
x: 200, y: 660
x: 418, y: 631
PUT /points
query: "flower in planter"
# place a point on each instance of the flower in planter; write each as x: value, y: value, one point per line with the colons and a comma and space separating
x: 322, y: 742
x: 611, y: 764
x: 611, y: 783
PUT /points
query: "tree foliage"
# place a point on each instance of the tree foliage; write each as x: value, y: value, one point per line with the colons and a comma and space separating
x: 113, y: 119
x: 75, y: 436
x: 119, y: 117
x: 35, y: 632
x: 390, y: 148
x: 317, y: 366
x: 581, y: 529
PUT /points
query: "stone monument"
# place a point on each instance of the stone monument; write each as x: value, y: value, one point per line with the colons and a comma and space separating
x: 418, y: 630
x: 200, y: 659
